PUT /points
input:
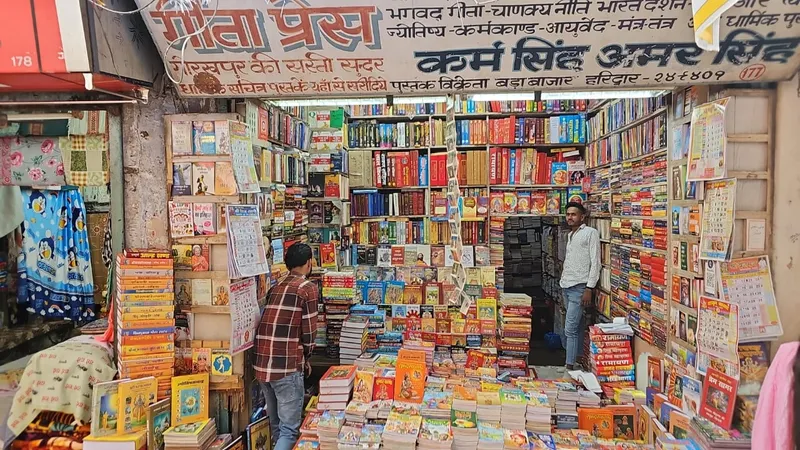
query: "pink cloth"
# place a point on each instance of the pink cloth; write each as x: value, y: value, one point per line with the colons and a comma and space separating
x: 772, y: 428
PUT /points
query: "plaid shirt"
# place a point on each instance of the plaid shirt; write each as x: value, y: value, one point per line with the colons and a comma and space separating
x: 288, y: 328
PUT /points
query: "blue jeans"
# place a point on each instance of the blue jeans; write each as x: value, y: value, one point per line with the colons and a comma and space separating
x: 285, y: 409
x: 574, y: 323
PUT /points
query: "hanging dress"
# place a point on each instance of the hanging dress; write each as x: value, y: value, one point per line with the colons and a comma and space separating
x: 55, y: 271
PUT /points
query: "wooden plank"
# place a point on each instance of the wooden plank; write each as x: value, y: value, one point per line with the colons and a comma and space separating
x: 748, y: 138
x: 211, y: 240
x: 205, y: 309
x: 748, y: 175
x: 191, y: 274
x: 751, y: 215
x: 226, y: 199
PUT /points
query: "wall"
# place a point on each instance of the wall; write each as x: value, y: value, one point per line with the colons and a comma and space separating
x: 785, y: 262
x: 146, y: 219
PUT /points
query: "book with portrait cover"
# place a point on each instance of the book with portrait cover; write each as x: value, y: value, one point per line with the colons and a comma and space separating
x: 719, y: 398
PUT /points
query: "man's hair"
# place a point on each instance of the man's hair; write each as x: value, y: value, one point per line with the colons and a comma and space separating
x: 297, y: 255
x: 577, y: 205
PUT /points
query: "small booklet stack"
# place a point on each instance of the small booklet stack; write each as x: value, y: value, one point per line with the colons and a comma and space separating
x: 328, y: 427
x: 338, y: 294
x: 335, y: 387
x: 145, y: 316
x: 490, y: 435
x: 611, y: 359
x: 515, y: 439
x: 515, y: 332
x: 514, y: 407
x: 489, y: 408
x: 537, y: 414
x: 435, y: 434
x: 401, y: 430
x: 436, y: 404
x: 464, y: 425
x: 190, y: 436
x: 353, y: 339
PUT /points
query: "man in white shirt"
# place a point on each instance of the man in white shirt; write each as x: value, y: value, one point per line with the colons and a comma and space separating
x: 579, y: 276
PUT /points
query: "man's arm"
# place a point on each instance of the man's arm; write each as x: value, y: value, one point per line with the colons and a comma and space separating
x: 594, y: 259
x: 309, y: 319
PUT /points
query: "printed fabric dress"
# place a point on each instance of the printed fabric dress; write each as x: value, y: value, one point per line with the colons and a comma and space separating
x: 55, y: 271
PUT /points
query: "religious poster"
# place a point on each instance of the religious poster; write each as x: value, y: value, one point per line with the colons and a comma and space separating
x: 747, y: 282
x: 718, y: 220
x: 718, y: 336
x: 707, y: 142
x: 246, y: 253
x: 244, y: 168
x: 245, y: 314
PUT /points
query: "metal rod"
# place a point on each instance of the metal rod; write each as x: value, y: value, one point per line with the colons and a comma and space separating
x: 66, y: 102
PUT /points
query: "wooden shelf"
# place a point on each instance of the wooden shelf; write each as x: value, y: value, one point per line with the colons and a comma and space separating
x: 684, y: 308
x: 226, y: 199
x: 631, y: 159
x: 213, y: 239
x: 633, y: 124
x: 614, y: 216
x: 639, y: 247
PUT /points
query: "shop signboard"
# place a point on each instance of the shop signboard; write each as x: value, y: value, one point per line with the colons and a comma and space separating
x: 348, y: 48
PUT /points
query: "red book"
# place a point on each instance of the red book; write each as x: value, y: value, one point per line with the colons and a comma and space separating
x: 719, y: 398
x: 493, y: 165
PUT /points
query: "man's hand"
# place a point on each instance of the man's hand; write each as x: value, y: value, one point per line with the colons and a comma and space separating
x: 586, y: 299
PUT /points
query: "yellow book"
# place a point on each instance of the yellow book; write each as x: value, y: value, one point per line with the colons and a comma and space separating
x: 189, y: 398
x: 191, y: 429
x: 133, y: 441
x: 134, y: 398
x: 133, y: 350
x: 164, y: 296
x: 167, y: 315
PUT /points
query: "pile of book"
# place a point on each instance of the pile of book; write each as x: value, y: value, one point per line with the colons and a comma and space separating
x: 515, y: 333
x: 197, y: 435
x: 338, y: 294
x: 145, y: 316
x: 537, y: 412
x: 435, y: 434
x: 335, y: 387
x: 328, y: 427
x: 353, y: 339
x: 401, y: 431
x: 514, y: 407
x: 376, y: 323
x: 490, y: 435
x: 464, y: 425
x: 611, y: 359
x: 489, y: 407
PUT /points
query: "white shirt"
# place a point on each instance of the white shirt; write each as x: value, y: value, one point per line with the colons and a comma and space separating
x: 582, y: 263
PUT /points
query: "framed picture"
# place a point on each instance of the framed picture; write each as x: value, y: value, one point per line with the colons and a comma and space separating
x: 258, y: 435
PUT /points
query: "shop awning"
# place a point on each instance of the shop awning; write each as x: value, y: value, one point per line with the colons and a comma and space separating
x: 52, y: 45
x: 359, y: 48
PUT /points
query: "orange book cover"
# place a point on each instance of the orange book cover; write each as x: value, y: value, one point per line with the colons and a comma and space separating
x: 410, y: 381
x: 624, y: 421
x: 405, y: 354
x: 598, y: 422
x: 147, y: 339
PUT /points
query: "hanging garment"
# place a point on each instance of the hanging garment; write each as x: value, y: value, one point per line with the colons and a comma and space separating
x: 11, y: 208
x: 85, y: 159
x: 772, y: 427
x: 54, y: 266
x: 87, y: 122
x: 30, y: 161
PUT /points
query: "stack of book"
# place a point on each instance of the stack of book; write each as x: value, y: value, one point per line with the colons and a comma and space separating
x: 515, y: 439
x: 335, y: 387
x: 490, y: 435
x: 338, y: 293
x: 436, y: 404
x: 197, y: 435
x: 538, y: 412
x: 310, y: 423
x: 353, y: 340
x: 401, y: 431
x: 328, y: 427
x: 435, y: 434
x: 515, y: 332
x: 611, y: 359
x: 514, y: 406
x: 376, y: 323
x: 145, y: 316
x: 464, y: 425
x: 489, y: 408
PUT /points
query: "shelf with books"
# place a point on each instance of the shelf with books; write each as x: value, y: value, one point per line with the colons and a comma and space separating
x: 224, y: 199
x: 530, y: 186
x: 625, y: 216
x: 639, y: 247
x: 628, y: 122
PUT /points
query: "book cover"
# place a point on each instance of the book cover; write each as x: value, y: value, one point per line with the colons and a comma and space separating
x: 624, y: 417
x: 644, y: 419
x: 134, y: 398
x: 182, y: 256
x: 224, y: 181
x: 363, y: 386
x: 753, y: 365
x: 204, y: 138
x: 181, y: 137
x: 384, y: 386
x: 553, y: 203
x: 719, y: 398
x: 599, y: 422
x: 337, y: 376
x: 105, y: 408
x: 180, y: 220
x: 203, y: 219
x: 222, y: 136
x: 539, y: 202
x: 559, y: 174
x: 221, y: 362
x: 410, y: 385
x: 203, y: 178
x: 258, y: 434
x: 189, y: 398
x: 679, y: 425
x: 183, y: 293
x: 158, y: 421
x: 201, y: 292
x: 182, y: 179
x: 201, y: 360
x: 221, y: 292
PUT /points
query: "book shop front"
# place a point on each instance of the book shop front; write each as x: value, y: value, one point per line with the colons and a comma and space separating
x: 427, y: 153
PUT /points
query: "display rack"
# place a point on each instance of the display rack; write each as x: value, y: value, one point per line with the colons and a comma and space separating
x: 209, y: 323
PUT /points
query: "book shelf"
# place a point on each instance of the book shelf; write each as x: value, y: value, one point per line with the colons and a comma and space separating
x: 202, y: 285
x: 627, y: 200
x: 499, y: 146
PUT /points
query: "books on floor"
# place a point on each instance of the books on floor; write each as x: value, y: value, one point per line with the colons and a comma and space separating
x: 196, y: 435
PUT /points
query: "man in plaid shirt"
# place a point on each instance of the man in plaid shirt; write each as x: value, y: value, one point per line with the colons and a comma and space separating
x: 284, y: 341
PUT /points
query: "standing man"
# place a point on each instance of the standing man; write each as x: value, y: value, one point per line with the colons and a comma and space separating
x: 284, y: 341
x: 578, y: 276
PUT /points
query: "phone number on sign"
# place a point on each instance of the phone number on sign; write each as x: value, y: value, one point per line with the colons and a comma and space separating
x: 687, y: 75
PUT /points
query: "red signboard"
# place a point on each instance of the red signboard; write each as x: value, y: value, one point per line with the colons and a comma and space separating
x: 18, y: 51
x: 48, y: 36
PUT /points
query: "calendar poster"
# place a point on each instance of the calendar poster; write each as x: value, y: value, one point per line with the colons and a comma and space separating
x: 707, y: 142
x: 244, y: 166
x: 747, y: 282
x: 718, y: 215
x: 718, y: 335
x: 245, y: 314
x: 246, y: 254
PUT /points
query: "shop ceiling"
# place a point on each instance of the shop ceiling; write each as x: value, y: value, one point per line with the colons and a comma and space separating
x: 359, y: 48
